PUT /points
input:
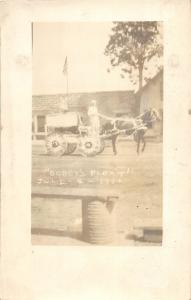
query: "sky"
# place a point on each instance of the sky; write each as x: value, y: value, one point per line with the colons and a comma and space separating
x: 83, y: 43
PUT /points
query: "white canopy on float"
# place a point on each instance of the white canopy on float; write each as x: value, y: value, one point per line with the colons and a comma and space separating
x: 67, y: 119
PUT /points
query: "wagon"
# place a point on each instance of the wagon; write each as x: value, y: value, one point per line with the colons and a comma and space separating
x: 65, y: 132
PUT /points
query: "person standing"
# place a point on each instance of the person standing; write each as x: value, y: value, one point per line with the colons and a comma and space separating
x: 63, y: 105
x: 94, y: 118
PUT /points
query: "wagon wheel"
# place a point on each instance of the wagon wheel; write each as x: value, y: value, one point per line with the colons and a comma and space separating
x: 55, y: 144
x: 89, y: 146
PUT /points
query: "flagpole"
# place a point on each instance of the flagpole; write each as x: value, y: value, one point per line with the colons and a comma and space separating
x: 65, y: 72
x: 67, y: 83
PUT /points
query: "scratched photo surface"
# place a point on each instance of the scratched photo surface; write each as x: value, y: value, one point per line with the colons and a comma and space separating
x: 97, y: 133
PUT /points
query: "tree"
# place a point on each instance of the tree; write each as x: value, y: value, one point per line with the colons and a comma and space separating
x: 132, y: 45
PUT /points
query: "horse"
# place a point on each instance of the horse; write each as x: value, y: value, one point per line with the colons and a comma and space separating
x: 131, y: 126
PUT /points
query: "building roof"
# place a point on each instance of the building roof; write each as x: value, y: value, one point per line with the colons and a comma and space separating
x: 108, y: 101
x: 155, y: 78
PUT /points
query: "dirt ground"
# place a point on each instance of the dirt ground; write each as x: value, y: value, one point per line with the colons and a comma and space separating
x: 138, y: 180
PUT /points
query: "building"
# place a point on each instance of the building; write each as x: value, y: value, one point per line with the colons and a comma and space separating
x: 151, y: 95
x: 112, y: 103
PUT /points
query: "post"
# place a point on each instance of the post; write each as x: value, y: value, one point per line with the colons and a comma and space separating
x: 98, y: 216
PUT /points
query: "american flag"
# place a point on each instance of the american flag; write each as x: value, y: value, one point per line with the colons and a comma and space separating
x: 65, y: 68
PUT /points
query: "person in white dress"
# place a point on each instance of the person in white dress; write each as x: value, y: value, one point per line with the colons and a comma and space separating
x: 94, y: 118
x: 64, y: 105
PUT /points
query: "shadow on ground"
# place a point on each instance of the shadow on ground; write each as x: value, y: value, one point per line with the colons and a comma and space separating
x: 58, y: 233
x: 148, y: 236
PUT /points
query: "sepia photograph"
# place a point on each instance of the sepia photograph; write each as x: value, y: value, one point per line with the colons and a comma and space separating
x: 97, y: 133
x: 95, y: 150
